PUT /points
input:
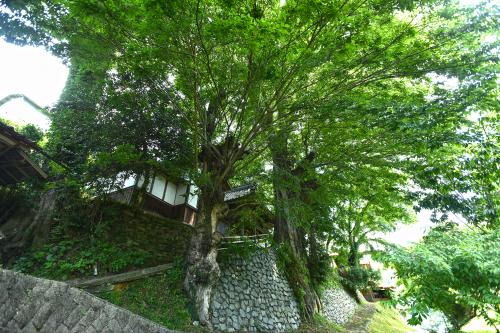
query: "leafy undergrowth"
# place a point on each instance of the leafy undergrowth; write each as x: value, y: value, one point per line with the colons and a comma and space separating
x: 320, y: 325
x: 386, y: 320
x: 125, y: 239
x: 159, y: 298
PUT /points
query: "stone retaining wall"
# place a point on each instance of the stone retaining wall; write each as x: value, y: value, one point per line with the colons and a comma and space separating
x: 29, y: 304
x: 338, y: 305
x: 253, y: 296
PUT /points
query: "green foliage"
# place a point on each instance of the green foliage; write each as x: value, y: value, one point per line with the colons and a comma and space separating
x: 322, y: 321
x: 212, y: 83
x: 25, y: 195
x: 32, y: 132
x: 11, y: 198
x: 453, y: 271
x: 112, y: 236
x: 295, y: 271
x: 359, y: 278
x: 70, y: 258
x: 159, y: 298
x: 463, y: 176
x: 387, y: 320
x: 319, y: 265
x: 332, y: 281
x: 320, y: 324
x: 243, y: 249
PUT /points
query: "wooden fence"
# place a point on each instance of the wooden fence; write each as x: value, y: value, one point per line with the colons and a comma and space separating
x: 261, y: 240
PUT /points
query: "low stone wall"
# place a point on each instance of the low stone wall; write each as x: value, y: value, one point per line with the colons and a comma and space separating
x: 29, y: 304
x: 253, y: 296
x: 338, y: 305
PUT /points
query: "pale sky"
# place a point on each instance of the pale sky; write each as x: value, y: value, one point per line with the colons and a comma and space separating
x: 33, y: 72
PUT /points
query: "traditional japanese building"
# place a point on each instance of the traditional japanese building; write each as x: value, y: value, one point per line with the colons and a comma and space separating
x: 175, y: 199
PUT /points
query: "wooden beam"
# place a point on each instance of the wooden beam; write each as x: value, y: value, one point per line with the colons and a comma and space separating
x: 7, y: 140
x: 34, y: 165
x: 12, y: 163
x: 124, y: 277
x: 18, y: 168
x: 6, y: 150
x: 10, y: 175
x: 2, y: 179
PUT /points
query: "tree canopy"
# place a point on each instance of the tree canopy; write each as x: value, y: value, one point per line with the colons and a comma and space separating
x: 339, y: 96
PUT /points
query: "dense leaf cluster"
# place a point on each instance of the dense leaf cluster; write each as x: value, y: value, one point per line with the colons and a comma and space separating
x: 341, y: 98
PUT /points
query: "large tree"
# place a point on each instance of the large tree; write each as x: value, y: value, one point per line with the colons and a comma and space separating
x: 242, y: 74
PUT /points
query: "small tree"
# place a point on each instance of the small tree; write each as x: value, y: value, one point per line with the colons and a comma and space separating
x: 453, y: 271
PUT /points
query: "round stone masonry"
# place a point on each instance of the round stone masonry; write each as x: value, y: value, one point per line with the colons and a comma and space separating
x: 338, y: 305
x: 252, y: 295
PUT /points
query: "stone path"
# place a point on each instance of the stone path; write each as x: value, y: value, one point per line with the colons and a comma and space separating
x: 361, y: 319
x: 29, y: 304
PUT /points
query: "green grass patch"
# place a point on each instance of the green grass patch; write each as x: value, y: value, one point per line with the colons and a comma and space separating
x: 320, y: 325
x: 387, y: 320
x: 332, y: 281
x: 159, y: 298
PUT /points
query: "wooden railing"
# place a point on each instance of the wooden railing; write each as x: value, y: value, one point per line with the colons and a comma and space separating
x: 261, y: 240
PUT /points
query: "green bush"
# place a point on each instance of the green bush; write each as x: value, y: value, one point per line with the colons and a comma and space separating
x: 159, y: 298
x: 319, y: 266
x: 71, y: 258
x: 360, y: 278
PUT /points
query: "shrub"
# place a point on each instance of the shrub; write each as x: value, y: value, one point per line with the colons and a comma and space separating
x: 360, y: 278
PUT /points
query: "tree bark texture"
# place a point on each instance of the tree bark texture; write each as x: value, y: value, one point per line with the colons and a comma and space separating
x: 202, y: 268
x: 286, y: 230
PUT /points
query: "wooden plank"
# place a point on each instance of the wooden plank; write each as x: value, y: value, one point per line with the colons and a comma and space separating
x: 7, y: 140
x: 6, y: 172
x: 3, y: 180
x: 34, y: 165
x: 123, y: 277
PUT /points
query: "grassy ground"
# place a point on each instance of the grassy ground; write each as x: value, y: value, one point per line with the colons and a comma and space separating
x: 387, y: 320
x: 371, y: 318
x: 320, y: 325
x: 159, y: 298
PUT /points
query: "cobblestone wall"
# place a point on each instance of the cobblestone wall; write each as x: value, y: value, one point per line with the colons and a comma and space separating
x: 338, y: 305
x: 253, y: 296
x: 29, y: 304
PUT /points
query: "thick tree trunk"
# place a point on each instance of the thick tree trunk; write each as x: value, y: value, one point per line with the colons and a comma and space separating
x: 460, y: 316
x: 353, y: 258
x: 202, y: 268
x: 216, y: 162
x: 286, y: 230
